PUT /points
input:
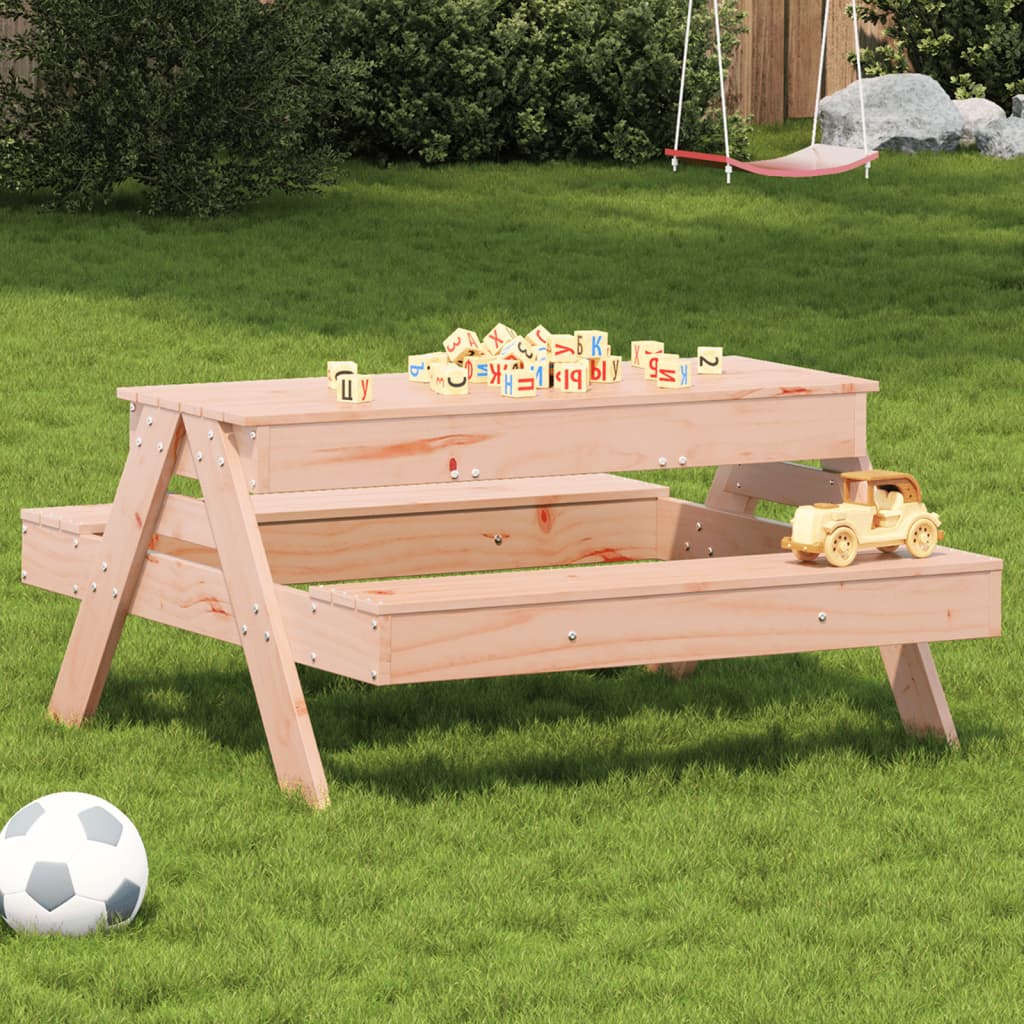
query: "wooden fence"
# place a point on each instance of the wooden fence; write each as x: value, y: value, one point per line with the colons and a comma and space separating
x: 775, y: 69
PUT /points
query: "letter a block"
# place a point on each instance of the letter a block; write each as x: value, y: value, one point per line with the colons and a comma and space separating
x: 449, y: 379
x: 709, y: 359
x: 355, y: 388
x: 573, y: 377
x: 335, y: 368
x: 606, y: 370
x: 640, y: 350
x: 460, y: 344
x: 519, y: 383
x: 592, y: 344
x: 674, y: 372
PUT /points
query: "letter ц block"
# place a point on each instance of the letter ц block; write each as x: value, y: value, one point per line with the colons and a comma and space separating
x: 518, y: 383
x: 640, y: 350
x: 355, y: 388
x: 592, y: 344
x: 337, y: 367
x: 460, y: 344
x: 571, y: 376
x: 606, y: 370
x: 674, y: 372
x: 449, y: 379
x: 709, y: 359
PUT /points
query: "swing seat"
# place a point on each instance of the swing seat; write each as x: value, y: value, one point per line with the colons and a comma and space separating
x: 809, y: 162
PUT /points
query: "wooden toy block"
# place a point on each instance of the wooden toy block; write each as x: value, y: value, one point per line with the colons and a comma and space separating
x: 540, y: 369
x: 562, y: 348
x: 709, y: 359
x: 571, y: 376
x: 606, y: 370
x: 519, y: 383
x: 653, y: 361
x: 496, y: 370
x: 460, y: 344
x: 519, y: 349
x: 492, y: 342
x: 478, y: 369
x: 640, y: 350
x: 335, y: 368
x: 539, y: 337
x: 592, y: 344
x: 449, y: 379
x: 419, y: 366
x: 674, y: 372
x: 354, y: 387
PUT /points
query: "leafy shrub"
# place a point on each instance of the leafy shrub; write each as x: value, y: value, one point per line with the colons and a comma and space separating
x: 971, y: 47
x: 536, y: 79
x: 207, y: 104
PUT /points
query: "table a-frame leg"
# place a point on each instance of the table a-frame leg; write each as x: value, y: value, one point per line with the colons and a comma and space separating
x: 110, y: 586
x: 261, y: 625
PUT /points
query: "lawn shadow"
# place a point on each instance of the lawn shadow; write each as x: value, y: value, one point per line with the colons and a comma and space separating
x: 417, y: 742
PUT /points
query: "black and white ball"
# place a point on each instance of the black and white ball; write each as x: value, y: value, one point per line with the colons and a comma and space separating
x: 70, y: 863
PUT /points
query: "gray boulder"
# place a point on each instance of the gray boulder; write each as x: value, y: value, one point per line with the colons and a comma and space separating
x: 1002, y: 138
x: 1017, y: 110
x: 977, y: 113
x: 906, y: 113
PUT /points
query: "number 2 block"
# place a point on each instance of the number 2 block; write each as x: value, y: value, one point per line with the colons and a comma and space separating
x: 709, y: 359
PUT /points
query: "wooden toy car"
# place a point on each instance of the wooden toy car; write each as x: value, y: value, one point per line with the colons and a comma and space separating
x: 893, y: 515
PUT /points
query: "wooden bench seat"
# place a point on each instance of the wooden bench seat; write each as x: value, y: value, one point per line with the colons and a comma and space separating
x: 675, y: 611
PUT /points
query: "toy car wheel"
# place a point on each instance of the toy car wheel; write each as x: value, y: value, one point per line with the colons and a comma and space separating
x: 922, y: 538
x: 841, y: 547
x: 805, y: 556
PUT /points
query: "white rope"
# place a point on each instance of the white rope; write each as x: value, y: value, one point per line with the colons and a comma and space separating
x: 721, y: 89
x: 821, y: 75
x: 682, y: 81
x: 860, y: 86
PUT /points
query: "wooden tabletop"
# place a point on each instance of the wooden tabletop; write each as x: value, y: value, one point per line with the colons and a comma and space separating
x: 253, y: 403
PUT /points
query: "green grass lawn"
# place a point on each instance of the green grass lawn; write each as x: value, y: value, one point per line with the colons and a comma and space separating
x: 760, y: 842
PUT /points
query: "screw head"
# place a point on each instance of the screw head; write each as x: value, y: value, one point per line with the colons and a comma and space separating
x: 24, y: 528
x: 252, y: 435
x: 74, y: 588
x: 149, y: 421
x: 245, y: 629
x: 373, y: 674
x: 24, y: 575
x: 662, y: 461
x: 682, y: 460
x: 455, y: 474
x: 103, y: 566
x: 822, y: 617
x: 92, y: 587
x: 255, y: 609
x: 572, y: 636
x: 159, y: 446
x: 498, y: 539
x: 138, y: 442
x: 266, y: 635
x: 220, y: 461
x: 312, y: 607
x: 131, y: 406
x: 476, y: 474
x: 209, y: 435
x: 312, y: 656
x: 199, y: 456
x: 373, y: 624
x: 113, y: 592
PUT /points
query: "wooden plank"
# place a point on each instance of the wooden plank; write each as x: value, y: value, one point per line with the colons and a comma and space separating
x: 263, y: 629
x: 598, y: 626
x: 918, y: 693
x: 768, y: 59
x: 839, y: 72
x: 803, y: 57
x: 784, y: 483
x: 739, y: 93
x: 690, y: 530
x: 509, y: 445
x: 114, y: 571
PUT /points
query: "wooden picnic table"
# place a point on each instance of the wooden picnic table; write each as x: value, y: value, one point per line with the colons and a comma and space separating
x: 298, y: 488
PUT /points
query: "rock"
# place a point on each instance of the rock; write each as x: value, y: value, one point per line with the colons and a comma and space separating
x: 1017, y: 110
x: 977, y: 112
x: 1002, y: 138
x: 906, y: 113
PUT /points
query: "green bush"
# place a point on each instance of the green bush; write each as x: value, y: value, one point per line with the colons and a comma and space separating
x: 461, y: 80
x: 207, y: 103
x: 971, y: 47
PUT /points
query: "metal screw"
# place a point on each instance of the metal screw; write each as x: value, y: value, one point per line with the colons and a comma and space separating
x: 498, y: 539
x: 686, y: 546
x: 24, y: 575
x: 266, y: 635
x: 220, y: 461
x: 113, y: 592
x: 700, y: 526
x: 476, y: 474
x: 245, y: 629
x: 75, y: 542
x: 159, y: 446
x: 711, y: 552
x: 92, y: 587
x: 312, y: 656
x: 149, y: 421
x: 209, y: 435
x: 103, y: 566
x: 138, y: 442
x: 455, y: 474
x: 662, y: 461
x: 312, y: 607
x: 682, y: 460
x: 74, y: 588
x: 572, y: 637
x: 252, y: 435
x: 255, y: 609
x: 131, y: 406
x: 24, y: 528
x: 738, y: 485
x: 252, y: 485
x: 199, y: 456
x: 373, y: 674
x: 373, y: 624
x: 822, y: 617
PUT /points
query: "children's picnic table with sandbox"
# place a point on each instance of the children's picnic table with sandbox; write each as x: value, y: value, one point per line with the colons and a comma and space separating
x: 298, y: 488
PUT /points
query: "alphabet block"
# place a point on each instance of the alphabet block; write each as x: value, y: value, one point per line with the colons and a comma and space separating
x: 571, y: 376
x: 460, y: 344
x: 496, y: 370
x: 640, y: 350
x: 519, y: 349
x: 540, y: 370
x: 337, y: 367
x: 354, y: 388
x: 709, y: 359
x: 674, y: 372
x: 562, y: 348
x: 449, y: 379
x: 419, y: 366
x: 653, y: 361
x: 478, y: 368
x: 518, y: 383
x: 592, y: 344
x: 606, y: 370
x: 495, y: 338
x: 539, y: 337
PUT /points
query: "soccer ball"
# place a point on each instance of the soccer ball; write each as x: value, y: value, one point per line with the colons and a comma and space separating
x: 70, y: 863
